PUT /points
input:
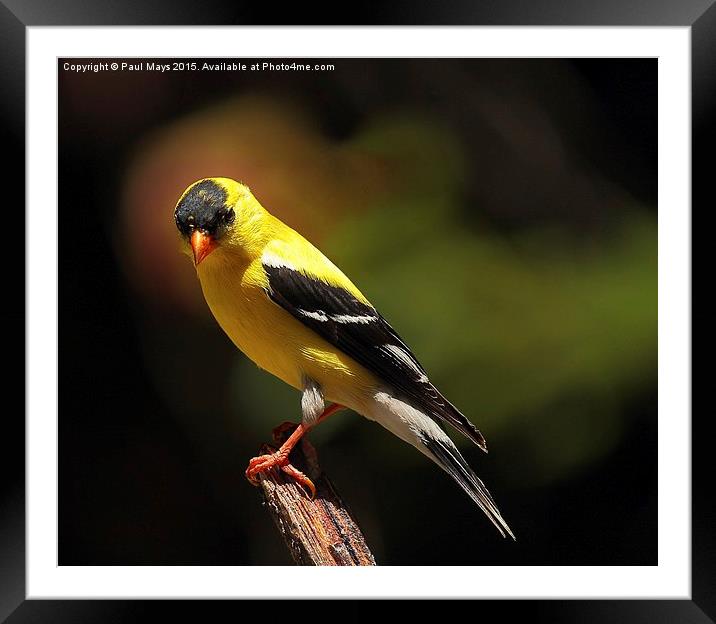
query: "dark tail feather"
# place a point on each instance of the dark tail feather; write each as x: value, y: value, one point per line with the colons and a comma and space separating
x: 449, y: 459
x: 441, y: 407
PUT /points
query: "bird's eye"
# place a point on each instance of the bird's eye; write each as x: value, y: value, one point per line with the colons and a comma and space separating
x: 229, y: 216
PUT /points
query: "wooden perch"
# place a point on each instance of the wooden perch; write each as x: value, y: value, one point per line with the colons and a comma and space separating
x: 319, y: 531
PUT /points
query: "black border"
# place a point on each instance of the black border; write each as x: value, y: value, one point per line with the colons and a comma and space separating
x: 16, y: 15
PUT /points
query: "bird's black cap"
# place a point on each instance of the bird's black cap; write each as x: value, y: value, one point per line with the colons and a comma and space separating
x: 203, y: 208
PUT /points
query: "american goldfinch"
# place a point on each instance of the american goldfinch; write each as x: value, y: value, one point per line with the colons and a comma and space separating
x: 297, y: 316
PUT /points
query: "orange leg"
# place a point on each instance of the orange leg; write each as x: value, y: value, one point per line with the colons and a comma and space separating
x: 329, y: 411
x: 279, y: 459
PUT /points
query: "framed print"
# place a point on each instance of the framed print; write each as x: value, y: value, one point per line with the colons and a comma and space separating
x: 512, y: 190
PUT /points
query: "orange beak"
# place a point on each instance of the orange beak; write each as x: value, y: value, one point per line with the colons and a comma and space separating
x: 202, y: 245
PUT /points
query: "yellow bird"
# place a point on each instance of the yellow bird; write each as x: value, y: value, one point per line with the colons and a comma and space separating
x: 297, y: 316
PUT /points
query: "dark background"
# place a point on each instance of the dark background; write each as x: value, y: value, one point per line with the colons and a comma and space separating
x: 148, y: 475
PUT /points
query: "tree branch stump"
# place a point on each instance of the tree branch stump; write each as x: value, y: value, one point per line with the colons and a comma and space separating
x: 319, y: 531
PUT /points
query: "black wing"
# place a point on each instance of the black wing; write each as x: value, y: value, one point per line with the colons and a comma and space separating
x: 359, y: 331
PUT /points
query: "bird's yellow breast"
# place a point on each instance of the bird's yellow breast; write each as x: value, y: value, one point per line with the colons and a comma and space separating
x: 275, y: 340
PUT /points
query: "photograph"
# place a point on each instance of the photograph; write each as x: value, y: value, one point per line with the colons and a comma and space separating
x: 357, y: 311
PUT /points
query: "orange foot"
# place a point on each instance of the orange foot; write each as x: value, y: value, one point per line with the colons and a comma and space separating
x: 279, y: 459
x: 262, y: 463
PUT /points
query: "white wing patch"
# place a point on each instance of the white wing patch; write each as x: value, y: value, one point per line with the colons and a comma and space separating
x: 320, y: 315
x: 354, y: 318
x: 273, y: 260
x: 402, y: 356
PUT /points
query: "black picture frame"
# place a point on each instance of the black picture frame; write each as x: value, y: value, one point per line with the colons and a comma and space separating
x: 17, y: 15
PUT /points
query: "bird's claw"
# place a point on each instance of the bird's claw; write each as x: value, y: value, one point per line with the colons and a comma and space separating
x: 262, y: 463
x: 301, y: 479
